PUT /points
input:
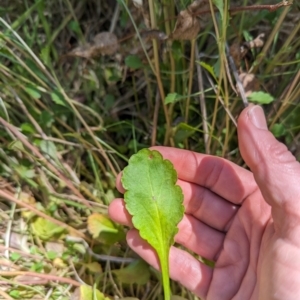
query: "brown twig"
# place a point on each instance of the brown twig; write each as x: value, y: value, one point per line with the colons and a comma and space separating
x: 202, y: 101
x: 155, y: 119
x: 236, y: 76
x: 269, y: 7
x: 48, y: 277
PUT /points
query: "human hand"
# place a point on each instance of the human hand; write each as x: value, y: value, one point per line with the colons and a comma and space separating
x: 247, y: 223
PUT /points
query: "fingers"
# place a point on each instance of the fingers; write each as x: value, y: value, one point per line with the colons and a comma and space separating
x: 193, y: 234
x: 119, y: 184
x: 219, y: 175
x: 199, y: 202
x: 207, y: 206
x: 213, y: 187
x: 184, y: 268
x: 275, y: 169
x: 118, y: 213
x: 222, y: 177
x: 199, y: 238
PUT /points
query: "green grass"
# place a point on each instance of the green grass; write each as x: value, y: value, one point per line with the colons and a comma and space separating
x: 70, y: 124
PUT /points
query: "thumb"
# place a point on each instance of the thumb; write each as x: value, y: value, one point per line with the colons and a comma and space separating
x: 275, y: 169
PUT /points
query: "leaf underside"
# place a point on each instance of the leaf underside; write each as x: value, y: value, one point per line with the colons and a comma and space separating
x: 153, y: 199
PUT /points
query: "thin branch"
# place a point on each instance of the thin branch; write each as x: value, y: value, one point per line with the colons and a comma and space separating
x: 269, y: 7
x: 236, y: 76
x: 202, y: 101
x: 48, y: 277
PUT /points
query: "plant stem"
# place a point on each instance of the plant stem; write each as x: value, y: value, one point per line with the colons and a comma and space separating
x: 169, y: 14
x: 164, y: 264
x: 157, y: 71
x: 191, y: 75
x: 224, y: 61
x: 202, y: 100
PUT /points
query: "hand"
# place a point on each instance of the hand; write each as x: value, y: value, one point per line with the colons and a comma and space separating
x: 247, y: 223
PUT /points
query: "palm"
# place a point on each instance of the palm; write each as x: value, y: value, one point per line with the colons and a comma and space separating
x: 238, y: 264
x: 226, y: 221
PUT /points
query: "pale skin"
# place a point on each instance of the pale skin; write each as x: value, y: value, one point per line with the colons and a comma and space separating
x: 248, y: 223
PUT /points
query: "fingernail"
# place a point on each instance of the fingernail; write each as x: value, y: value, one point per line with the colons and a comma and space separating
x: 257, y: 117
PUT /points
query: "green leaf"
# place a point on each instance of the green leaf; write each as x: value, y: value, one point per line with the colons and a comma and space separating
x: 209, y: 69
x: 172, y: 98
x: 220, y: 6
x: 25, y: 172
x: 217, y: 67
x: 48, y: 147
x: 109, y: 101
x: 79, y: 248
x: 58, y: 98
x: 183, y: 131
x: 98, y: 223
x: 15, y: 256
x: 46, y: 56
x: 133, y: 62
x: 278, y: 130
x: 155, y: 203
x: 260, y: 97
x: 37, y: 267
x: 34, y: 68
x: 33, y: 91
x: 94, y: 267
x: 51, y: 254
x: 16, y: 145
x: 74, y: 26
x: 46, y: 118
x: 137, y: 272
x: 45, y: 229
x: 104, y: 230
x: 15, y: 294
x: 27, y: 128
x: 88, y: 293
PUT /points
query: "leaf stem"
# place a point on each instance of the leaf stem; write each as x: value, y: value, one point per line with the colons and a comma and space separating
x: 164, y: 264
